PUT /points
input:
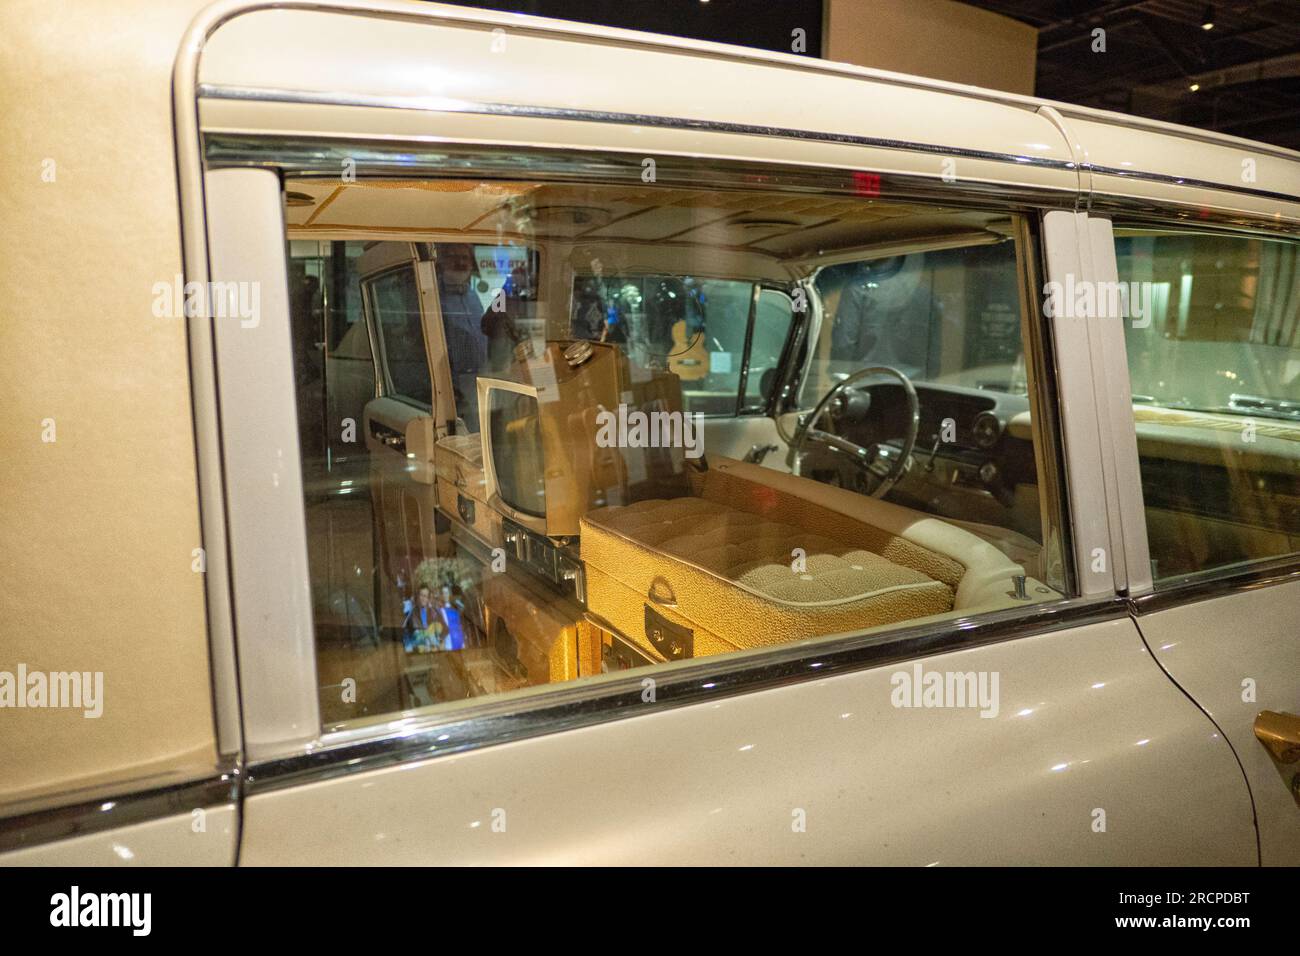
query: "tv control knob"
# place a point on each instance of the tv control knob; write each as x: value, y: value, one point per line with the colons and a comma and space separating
x: 578, y: 352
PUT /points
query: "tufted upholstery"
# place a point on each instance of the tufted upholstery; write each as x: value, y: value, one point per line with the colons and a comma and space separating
x: 729, y: 574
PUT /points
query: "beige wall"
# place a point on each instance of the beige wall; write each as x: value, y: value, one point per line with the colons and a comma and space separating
x: 934, y: 38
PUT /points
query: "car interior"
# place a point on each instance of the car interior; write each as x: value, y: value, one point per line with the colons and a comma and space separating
x: 553, y: 430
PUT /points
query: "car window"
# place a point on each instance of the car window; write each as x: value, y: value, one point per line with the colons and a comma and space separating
x: 1212, y: 333
x: 948, y: 316
x: 395, y: 303
x: 576, y: 516
x: 773, y: 318
x: 334, y: 373
x: 696, y: 327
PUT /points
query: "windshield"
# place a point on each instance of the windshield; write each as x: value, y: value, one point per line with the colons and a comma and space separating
x: 945, y: 316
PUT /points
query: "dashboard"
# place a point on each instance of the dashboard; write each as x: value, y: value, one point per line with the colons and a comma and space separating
x: 962, y: 440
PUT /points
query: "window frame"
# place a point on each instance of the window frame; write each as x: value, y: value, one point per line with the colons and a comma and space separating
x: 553, y: 708
x: 379, y: 344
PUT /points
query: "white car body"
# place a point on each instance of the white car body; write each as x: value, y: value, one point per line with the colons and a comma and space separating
x: 1123, y: 698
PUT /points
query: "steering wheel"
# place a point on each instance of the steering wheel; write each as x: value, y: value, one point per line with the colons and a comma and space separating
x: 881, y: 466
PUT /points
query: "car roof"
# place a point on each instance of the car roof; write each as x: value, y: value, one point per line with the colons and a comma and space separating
x: 435, y: 57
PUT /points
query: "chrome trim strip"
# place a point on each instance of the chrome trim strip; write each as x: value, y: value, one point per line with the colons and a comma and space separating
x: 109, y: 809
x: 1137, y: 211
x: 1186, y: 181
x: 451, y: 105
x: 431, y: 157
x: 557, y: 708
x: 441, y: 104
x: 1218, y: 582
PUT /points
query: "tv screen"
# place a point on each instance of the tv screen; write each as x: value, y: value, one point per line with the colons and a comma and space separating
x: 517, y: 456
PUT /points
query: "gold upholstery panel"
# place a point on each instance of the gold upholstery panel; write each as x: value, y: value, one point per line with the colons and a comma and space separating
x: 731, y: 573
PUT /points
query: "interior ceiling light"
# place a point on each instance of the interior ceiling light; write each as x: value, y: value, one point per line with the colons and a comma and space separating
x: 1207, y: 21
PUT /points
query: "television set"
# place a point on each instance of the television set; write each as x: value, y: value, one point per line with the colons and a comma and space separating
x: 538, y: 423
x: 514, y: 457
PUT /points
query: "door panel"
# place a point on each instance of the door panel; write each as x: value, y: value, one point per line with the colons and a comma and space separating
x: 1212, y: 359
x: 166, y: 841
x: 1085, y: 722
x: 1212, y: 648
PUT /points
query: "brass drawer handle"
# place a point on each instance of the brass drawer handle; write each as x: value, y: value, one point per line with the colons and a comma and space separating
x: 1280, y: 733
x: 661, y: 593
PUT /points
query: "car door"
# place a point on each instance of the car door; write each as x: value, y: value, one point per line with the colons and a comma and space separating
x: 825, y: 748
x: 1212, y: 357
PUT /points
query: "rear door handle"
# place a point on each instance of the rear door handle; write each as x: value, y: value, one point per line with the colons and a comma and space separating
x: 387, y: 435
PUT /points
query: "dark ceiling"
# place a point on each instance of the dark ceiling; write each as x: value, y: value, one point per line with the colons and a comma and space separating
x: 1247, y: 68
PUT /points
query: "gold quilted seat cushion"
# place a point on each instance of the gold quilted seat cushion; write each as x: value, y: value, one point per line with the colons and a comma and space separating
x: 730, y: 573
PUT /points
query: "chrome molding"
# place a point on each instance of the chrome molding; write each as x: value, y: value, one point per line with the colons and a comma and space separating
x: 438, y: 104
x: 557, y: 708
x: 1188, y: 216
x: 450, y: 105
x: 433, y: 157
x: 1042, y: 375
x: 1186, y: 181
x: 108, y: 808
x: 1218, y: 582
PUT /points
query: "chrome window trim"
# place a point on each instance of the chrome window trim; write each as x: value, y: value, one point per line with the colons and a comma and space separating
x: 1039, y: 349
x: 432, y: 156
x: 440, y: 104
x: 450, y: 105
x: 1219, y: 582
x: 36, y: 822
x: 1189, y: 216
x: 1188, y: 181
x: 562, y: 707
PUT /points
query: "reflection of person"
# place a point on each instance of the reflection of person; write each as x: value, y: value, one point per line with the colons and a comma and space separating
x: 589, y: 312
x: 462, y: 320
x: 871, y: 324
x: 422, y: 627
x: 450, y: 619
x: 499, y: 326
